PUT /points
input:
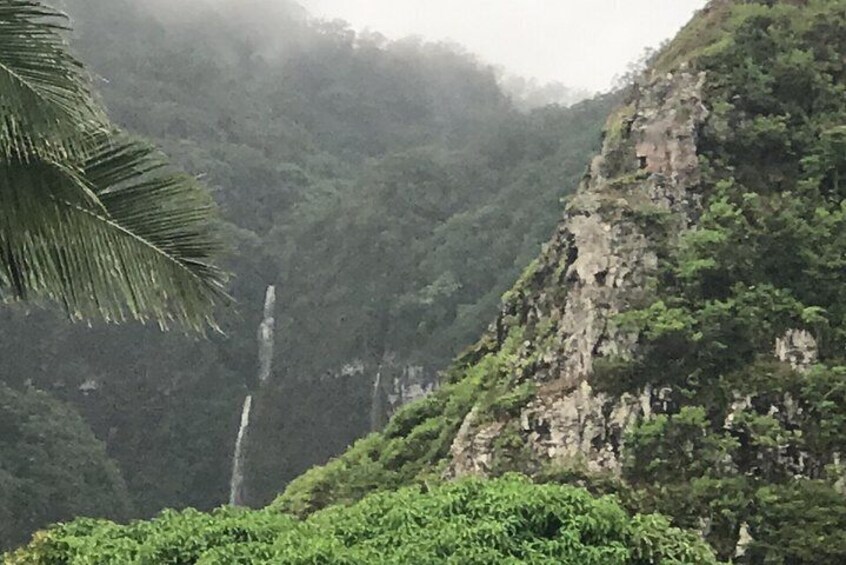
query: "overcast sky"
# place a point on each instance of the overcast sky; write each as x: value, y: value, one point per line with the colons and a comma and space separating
x: 581, y: 43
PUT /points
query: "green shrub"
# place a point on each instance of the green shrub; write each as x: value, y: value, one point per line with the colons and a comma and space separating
x: 508, y: 520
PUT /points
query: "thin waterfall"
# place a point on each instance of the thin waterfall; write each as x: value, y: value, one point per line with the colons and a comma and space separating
x: 265, y: 335
x: 236, y: 484
x: 265, y: 365
x: 377, y: 408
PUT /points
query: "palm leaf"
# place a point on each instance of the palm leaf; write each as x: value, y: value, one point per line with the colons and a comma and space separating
x: 122, y: 236
x: 99, y: 223
x: 45, y: 97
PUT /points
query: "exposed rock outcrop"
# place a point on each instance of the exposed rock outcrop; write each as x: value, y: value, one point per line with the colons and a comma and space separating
x: 600, y: 261
x: 797, y: 347
x: 395, y: 384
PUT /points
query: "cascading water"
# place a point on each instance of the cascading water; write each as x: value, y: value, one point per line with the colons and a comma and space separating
x: 265, y: 335
x: 265, y: 364
x: 377, y: 408
x: 236, y: 483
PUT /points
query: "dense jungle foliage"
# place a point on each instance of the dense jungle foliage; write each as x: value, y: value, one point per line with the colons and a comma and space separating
x: 51, y: 467
x: 746, y: 444
x: 746, y: 451
x: 391, y: 189
x: 769, y: 255
x: 508, y: 520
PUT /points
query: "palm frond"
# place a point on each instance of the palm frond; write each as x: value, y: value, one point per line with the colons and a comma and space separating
x: 98, y: 222
x: 45, y: 96
x: 121, y: 236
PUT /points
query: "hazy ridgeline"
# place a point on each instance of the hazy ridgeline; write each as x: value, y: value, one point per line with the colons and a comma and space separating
x: 391, y: 190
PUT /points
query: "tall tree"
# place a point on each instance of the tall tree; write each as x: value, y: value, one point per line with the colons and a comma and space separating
x: 89, y: 217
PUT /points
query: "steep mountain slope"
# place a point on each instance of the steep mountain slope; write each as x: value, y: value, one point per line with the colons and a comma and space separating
x: 358, y: 174
x: 681, y: 338
x: 680, y: 341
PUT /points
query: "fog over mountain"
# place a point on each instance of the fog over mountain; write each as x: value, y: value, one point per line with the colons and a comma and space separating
x: 580, y: 44
x: 583, y: 45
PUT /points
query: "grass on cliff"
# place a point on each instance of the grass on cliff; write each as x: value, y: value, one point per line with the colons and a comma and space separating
x: 415, y: 444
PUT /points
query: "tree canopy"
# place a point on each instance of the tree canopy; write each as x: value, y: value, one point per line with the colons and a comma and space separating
x: 390, y: 189
x: 52, y: 467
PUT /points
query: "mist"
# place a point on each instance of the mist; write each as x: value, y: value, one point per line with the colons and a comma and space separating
x: 583, y: 45
x: 577, y: 43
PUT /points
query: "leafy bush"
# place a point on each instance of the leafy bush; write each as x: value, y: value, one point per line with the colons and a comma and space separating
x: 508, y: 520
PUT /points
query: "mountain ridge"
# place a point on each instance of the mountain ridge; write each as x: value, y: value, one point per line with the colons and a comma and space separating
x: 676, y: 338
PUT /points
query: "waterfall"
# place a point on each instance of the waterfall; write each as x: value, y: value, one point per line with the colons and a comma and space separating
x: 265, y: 364
x: 377, y: 408
x: 265, y: 335
x: 236, y: 484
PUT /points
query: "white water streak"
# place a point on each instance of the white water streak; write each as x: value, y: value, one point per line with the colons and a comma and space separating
x: 236, y: 484
x: 265, y: 335
x: 265, y: 366
x: 376, y: 403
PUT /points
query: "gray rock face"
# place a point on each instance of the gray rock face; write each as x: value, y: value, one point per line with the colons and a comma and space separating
x: 797, y: 347
x: 640, y: 192
x: 583, y: 425
x: 597, y: 265
x: 472, y: 454
x: 394, y: 384
x: 744, y: 540
x: 407, y: 383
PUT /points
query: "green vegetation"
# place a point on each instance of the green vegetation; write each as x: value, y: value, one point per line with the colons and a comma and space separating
x: 745, y: 443
x: 747, y: 440
x: 101, y: 224
x: 487, y: 378
x: 51, y: 467
x: 414, y: 443
x: 389, y: 188
x: 741, y: 448
x: 509, y: 520
x: 89, y: 218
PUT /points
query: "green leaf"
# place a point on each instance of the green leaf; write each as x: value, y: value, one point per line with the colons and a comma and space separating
x: 45, y: 97
x: 121, y: 236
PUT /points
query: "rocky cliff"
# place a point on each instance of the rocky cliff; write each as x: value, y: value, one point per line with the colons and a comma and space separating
x: 598, y: 264
x: 681, y: 339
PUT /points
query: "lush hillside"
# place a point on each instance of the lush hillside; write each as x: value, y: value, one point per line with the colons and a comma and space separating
x: 51, y: 467
x: 390, y: 189
x: 678, y: 342
x: 503, y: 521
x: 681, y: 337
